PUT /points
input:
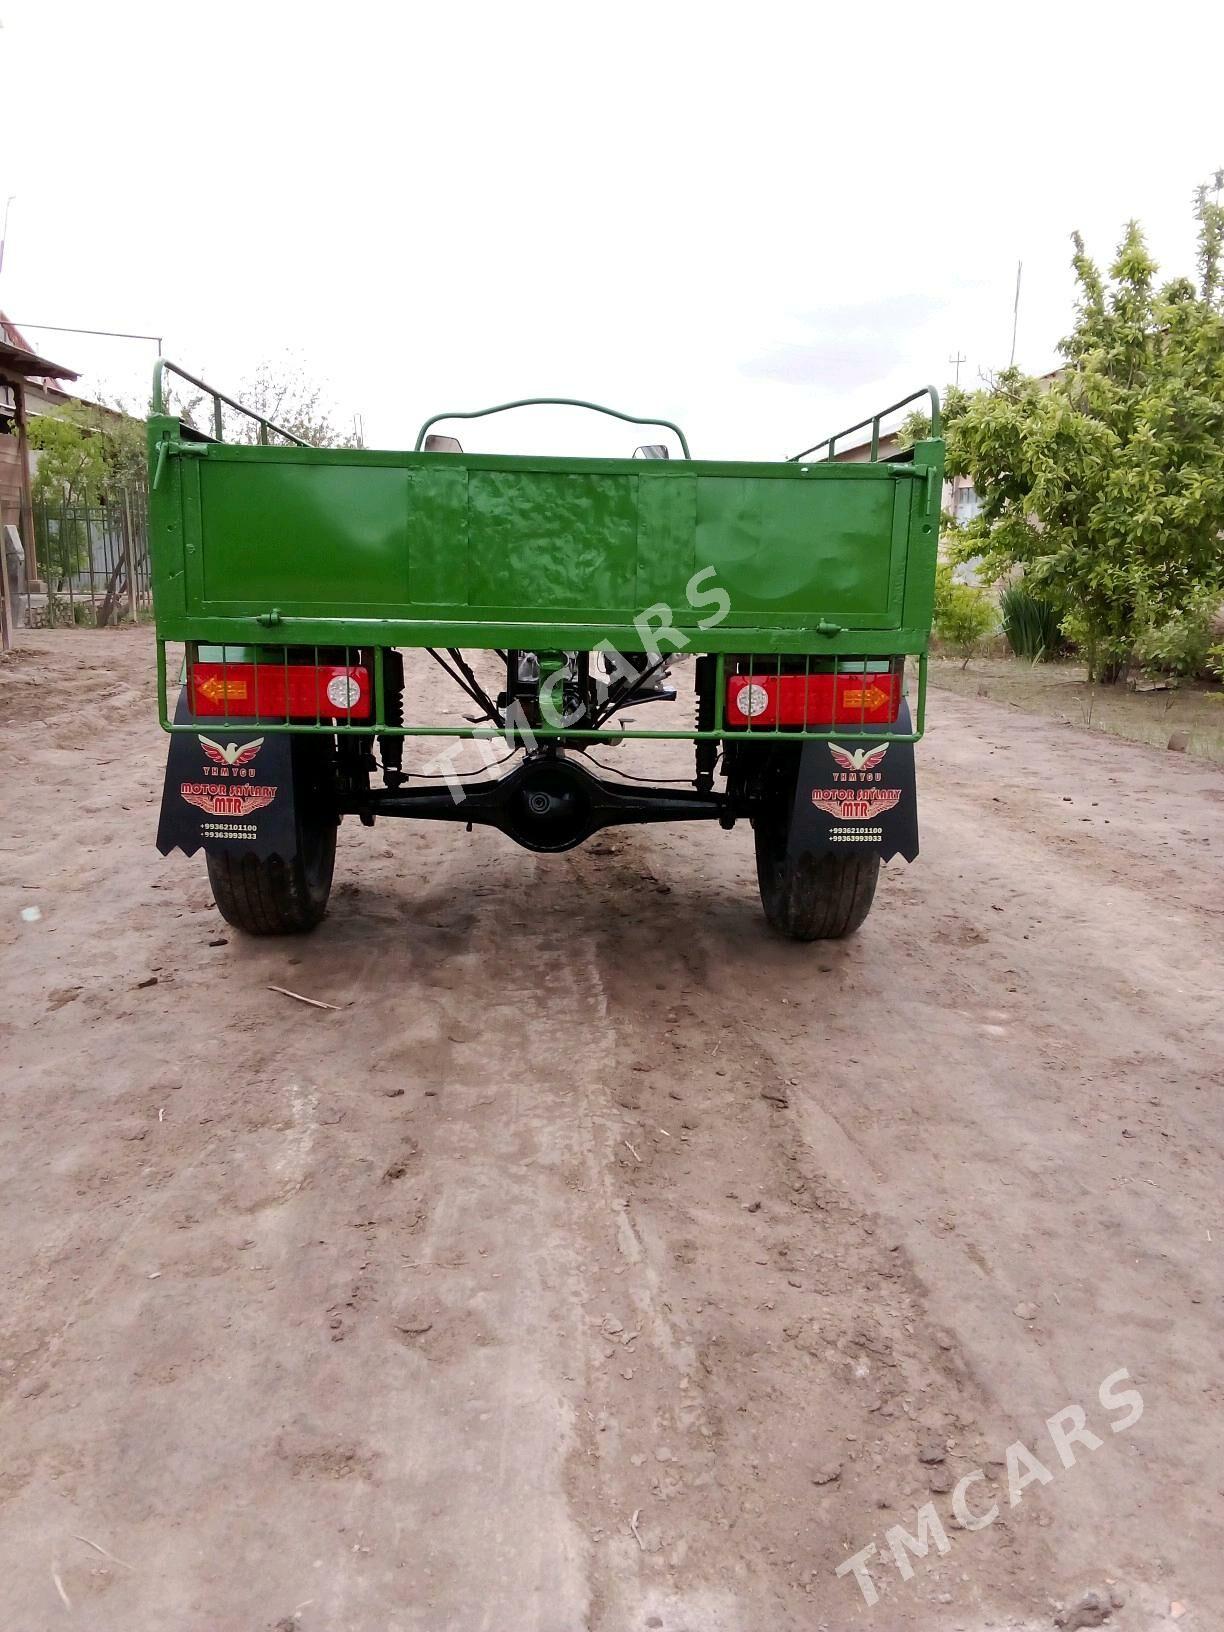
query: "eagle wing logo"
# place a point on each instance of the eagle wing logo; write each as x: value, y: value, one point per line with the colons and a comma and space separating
x: 231, y: 753
x: 258, y: 799
x: 858, y: 759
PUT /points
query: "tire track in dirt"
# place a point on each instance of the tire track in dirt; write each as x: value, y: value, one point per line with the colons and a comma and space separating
x: 802, y: 1372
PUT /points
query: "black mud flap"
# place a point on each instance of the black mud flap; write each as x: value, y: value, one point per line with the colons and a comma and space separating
x: 857, y: 795
x: 228, y: 789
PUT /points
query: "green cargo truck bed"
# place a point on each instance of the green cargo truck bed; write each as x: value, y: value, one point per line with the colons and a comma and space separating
x: 310, y: 588
x: 288, y: 545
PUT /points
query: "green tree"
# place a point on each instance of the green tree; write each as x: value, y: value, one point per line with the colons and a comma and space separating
x: 283, y: 393
x: 87, y: 453
x: 86, y: 450
x: 1106, y: 485
x: 914, y: 427
x: 964, y: 614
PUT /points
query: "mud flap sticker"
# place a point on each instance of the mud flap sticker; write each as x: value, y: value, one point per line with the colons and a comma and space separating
x: 857, y: 795
x: 227, y: 789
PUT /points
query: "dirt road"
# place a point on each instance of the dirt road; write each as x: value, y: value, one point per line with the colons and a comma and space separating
x: 604, y: 1262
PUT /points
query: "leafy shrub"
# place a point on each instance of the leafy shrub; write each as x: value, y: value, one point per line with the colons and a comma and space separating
x: 944, y: 585
x: 1031, y: 623
x: 1179, y: 646
x: 964, y: 614
x: 1106, y: 661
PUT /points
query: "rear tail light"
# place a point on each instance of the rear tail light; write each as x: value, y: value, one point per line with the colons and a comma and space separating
x: 268, y: 691
x: 854, y: 697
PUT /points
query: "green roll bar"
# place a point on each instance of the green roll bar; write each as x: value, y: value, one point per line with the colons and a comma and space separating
x: 831, y: 442
x: 553, y: 402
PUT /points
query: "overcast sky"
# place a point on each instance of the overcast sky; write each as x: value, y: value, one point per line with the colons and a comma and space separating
x: 761, y: 221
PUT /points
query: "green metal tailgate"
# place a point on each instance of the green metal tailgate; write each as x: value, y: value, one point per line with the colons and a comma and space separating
x: 361, y: 547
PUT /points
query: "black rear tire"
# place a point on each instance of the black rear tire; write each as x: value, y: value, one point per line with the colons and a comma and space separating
x: 283, y: 895
x: 812, y: 898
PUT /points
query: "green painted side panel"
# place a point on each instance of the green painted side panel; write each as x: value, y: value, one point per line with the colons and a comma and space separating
x: 275, y: 533
x: 666, y: 541
x: 283, y: 544
x: 545, y: 539
x: 438, y: 508
x: 808, y: 550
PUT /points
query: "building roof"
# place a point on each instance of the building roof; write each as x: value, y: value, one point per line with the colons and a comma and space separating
x: 888, y: 441
x: 19, y: 361
x: 15, y: 360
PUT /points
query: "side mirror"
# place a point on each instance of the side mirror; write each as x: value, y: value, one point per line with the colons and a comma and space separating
x: 652, y: 450
x: 442, y: 444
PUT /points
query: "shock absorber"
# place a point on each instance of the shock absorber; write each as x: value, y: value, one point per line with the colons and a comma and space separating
x: 391, y: 748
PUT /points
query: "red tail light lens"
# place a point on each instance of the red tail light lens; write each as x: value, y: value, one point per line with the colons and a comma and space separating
x: 270, y: 691
x: 854, y: 698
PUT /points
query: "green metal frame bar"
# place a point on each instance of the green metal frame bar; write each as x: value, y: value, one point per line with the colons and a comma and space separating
x: 787, y: 640
x: 553, y: 402
x: 873, y: 420
x: 164, y: 366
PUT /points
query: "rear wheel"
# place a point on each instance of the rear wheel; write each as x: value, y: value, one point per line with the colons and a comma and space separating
x: 283, y: 895
x: 811, y: 898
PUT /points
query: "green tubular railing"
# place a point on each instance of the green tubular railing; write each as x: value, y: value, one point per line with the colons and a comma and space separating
x: 164, y: 366
x: 830, y: 442
x: 554, y: 402
x: 377, y: 724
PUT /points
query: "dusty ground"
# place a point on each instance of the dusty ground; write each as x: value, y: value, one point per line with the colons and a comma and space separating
x: 1060, y: 691
x: 604, y: 1262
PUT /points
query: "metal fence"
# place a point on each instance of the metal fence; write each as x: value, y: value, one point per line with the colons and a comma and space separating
x: 92, y: 563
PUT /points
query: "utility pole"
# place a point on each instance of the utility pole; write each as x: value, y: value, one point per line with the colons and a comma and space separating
x: 1015, y: 314
x: 4, y: 229
x: 956, y: 363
